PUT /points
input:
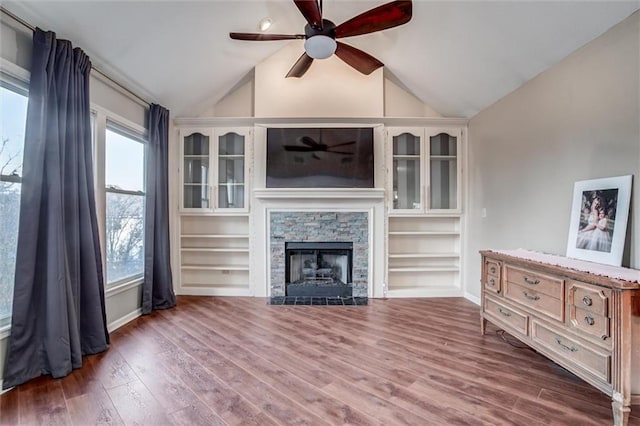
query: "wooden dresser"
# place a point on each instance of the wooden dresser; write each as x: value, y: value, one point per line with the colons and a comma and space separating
x: 581, y: 315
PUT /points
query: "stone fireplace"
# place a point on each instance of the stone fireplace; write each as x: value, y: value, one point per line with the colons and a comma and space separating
x: 317, y: 215
x: 326, y: 253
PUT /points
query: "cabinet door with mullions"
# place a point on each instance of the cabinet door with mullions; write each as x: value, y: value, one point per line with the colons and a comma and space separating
x: 406, y: 169
x: 231, y: 151
x: 425, y: 168
x: 444, y: 168
x: 196, y: 170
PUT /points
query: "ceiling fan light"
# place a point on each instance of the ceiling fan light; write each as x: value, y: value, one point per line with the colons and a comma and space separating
x: 320, y: 46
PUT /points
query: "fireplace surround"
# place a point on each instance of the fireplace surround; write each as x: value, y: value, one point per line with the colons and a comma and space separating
x: 317, y: 215
x: 334, y: 232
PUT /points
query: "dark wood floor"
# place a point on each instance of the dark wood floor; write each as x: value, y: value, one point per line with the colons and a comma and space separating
x: 218, y: 361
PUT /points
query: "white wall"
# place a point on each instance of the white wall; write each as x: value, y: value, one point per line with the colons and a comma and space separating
x: 15, y: 42
x: 330, y: 88
x: 398, y: 102
x: 576, y: 121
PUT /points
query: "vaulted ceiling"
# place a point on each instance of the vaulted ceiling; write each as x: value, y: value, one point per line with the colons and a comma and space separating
x: 458, y: 57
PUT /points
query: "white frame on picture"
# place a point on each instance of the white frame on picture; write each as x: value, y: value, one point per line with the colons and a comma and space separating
x: 599, y: 216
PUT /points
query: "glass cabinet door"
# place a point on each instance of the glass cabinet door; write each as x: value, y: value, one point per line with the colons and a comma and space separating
x: 407, y: 175
x: 196, y: 171
x: 443, y: 171
x: 231, y: 171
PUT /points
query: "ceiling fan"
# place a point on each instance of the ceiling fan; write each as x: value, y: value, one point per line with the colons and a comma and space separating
x: 310, y: 145
x: 320, y: 34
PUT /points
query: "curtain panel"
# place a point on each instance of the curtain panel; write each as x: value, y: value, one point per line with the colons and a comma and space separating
x: 58, y: 306
x: 157, y: 288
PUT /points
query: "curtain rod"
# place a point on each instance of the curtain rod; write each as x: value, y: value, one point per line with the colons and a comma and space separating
x: 30, y: 27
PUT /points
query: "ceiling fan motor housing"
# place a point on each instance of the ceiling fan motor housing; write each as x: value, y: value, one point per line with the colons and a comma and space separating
x: 320, y: 43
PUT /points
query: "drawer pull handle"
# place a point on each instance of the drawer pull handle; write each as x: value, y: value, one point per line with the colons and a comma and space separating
x: 563, y: 346
x: 589, y: 320
x: 492, y: 282
x: 587, y: 301
x: 530, y: 297
x: 493, y: 269
x: 504, y: 313
x: 530, y: 281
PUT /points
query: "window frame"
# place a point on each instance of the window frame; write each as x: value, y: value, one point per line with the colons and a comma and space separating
x: 106, y: 120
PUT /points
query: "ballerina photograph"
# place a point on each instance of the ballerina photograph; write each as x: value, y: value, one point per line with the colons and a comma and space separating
x: 597, y: 220
x: 599, y: 214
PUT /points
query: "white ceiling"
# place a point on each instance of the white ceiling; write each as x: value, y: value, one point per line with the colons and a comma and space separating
x: 458, y: 57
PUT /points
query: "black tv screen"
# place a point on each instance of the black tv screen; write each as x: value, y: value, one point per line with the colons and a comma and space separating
x: 320, y: 158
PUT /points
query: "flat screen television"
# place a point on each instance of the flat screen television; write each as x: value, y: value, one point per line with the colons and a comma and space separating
x: 320, y: 157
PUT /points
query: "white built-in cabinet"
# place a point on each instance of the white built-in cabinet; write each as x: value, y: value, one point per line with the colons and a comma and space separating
x: 214, y: 210
x: 424, y: 175
x: 423, y: 215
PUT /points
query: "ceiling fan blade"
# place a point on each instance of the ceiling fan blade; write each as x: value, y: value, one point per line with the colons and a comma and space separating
x: 308, y: 141
x: 377, y: 19
x: 358, y: 59
x: 296, y: 148
x: 340, y: 152
x: 342, y: 144
x: 301, y: 66
x: 264, y: 37
x: 310, y: 9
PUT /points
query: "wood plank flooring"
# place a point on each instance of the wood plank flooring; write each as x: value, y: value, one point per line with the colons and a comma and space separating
x: 239, y: 361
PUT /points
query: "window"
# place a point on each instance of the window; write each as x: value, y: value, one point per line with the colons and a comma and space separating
x: 125, y: 197
x: 13, y: 117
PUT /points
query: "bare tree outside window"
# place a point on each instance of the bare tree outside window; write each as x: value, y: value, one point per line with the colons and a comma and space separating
x: 124, y: 177
x: 13, y: 117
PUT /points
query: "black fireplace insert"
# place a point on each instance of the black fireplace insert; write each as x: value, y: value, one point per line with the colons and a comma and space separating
x: 318, y: 269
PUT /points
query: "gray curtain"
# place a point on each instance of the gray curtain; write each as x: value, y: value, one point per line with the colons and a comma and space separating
x: 58, y: 304
x: 157, y: 288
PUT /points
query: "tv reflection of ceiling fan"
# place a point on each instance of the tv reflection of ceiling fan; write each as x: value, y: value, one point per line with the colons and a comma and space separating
x: 310, y: 145
x: 320, y: 34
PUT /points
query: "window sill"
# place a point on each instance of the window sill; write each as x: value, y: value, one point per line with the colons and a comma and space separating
x: 122, y: 287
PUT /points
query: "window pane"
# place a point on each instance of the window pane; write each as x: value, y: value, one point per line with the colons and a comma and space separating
x: 125, y: 236
x: 124, y: 162
x: 9, y: 209
x: 13, y: 117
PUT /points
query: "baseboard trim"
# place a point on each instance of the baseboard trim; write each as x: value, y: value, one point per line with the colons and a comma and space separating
x: 635, y: 399
x: 114, y: 325
x: 425, y: 292
x: 4, y: 390
x: 472, y: 298
x: 214, y: 291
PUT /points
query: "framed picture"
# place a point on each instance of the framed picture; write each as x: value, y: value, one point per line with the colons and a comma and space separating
x: 599, y: 219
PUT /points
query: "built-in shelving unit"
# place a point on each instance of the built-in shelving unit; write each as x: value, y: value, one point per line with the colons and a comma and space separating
x: 214, y: 254
x: 423, y: 255
x: 416, y: 207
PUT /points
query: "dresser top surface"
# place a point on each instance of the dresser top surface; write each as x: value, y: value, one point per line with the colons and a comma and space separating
x: 607, y: 275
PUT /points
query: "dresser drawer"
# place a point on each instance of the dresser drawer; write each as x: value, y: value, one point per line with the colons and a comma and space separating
x: 492, y: 283
x: 510, y: 317
x: 588, y: 322
x: 492, y: 268
x: 546, y: 284
x: 541, y: 302
x: 589, y: 358
x: 589, y: 297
